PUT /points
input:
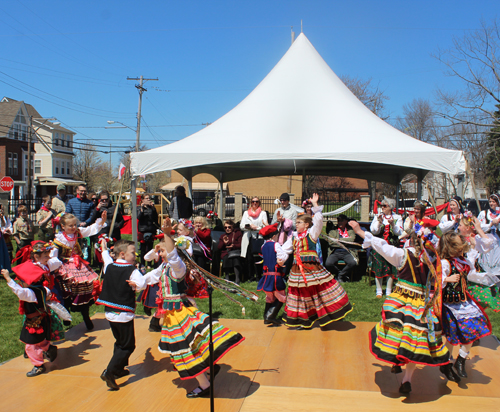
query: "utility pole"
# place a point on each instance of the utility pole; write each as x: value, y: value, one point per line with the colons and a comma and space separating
x: 141, y: 90
x: 29, y: 158
x: 133, y: 182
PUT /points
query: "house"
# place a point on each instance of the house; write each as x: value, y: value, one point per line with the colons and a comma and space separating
x: 52, y: 149
x: 14, y: 135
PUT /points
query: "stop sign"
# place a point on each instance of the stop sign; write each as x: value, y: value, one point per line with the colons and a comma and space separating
x: 6, y: 184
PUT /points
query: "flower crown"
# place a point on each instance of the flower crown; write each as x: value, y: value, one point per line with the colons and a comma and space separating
x: 187, y: 223
x: 469, y: 217
x: 39, y: 247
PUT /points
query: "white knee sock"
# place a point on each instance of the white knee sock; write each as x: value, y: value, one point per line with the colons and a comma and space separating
x: 388, y: 289
x: 203, y: 381
x: 378, y: 283
x: 410, y: 368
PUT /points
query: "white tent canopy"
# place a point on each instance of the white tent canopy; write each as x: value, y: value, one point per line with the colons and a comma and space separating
x: 300, y: 119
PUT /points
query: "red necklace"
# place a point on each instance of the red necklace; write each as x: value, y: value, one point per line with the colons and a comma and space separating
x: 70, y: 238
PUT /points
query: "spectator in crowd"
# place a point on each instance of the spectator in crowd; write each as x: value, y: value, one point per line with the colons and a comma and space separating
x: 59, y: 201
x: 148, y: 223
x: 24, y: 231
x: 181, y: 206
x: 6, y: 227
x: 230, y: 250
x: 81, y: 207
x: 105, y: 203
x: 203, y: 237
x: 253, y: 220
x: 345, y: 233
x: 44, y: 219
x: 286, y: 216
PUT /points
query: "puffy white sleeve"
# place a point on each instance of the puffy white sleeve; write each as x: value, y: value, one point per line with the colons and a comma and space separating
x: 482, y: 218
x: 177, y: 265
x: 445, y: 266
x: 285, y: 249
x: 153, y: 276
x: 151, y: 255
x: 106, y: 258
x: 485, y: 244
x: 24, y: 294
x: 317, y: 227
x: 93, y: 229
x: 446, y: 225
x: 375, y: 226
x: 395, y: 256
x: 54, y: 263
x: 398, y: 225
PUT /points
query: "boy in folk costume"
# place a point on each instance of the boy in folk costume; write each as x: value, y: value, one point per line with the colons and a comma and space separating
x: 33, y: 296
x: 185, y: 329
x: 118, y: 298
x: 272, y: 282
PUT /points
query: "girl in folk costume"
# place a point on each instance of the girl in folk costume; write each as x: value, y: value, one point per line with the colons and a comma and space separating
x: 272, y: 282
x: 408, y: 333
x: 485, y: 256
x: 76, y: 280
x: 389, y: 226
x: 313, y: 293
x: 33, y: 296
x: 197, y: 287
x: 451, y: 220
x: 186, y: 330
x: 464, y: 321
x: 490, y: 218
x: 149, y: 296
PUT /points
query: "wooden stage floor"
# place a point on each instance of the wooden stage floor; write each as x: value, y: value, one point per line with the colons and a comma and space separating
x: 275, y: 368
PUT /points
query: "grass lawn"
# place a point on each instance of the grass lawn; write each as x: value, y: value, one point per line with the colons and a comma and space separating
x: 366, y: 309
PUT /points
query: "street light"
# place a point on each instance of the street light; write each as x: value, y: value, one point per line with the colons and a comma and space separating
x: 123, y: 126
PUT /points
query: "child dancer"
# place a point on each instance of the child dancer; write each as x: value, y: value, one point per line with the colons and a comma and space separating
x: 406, y: 335
x: 484, y: 255
x: 196, y: 285
x: 272, y: 282
x: 463, y: 320
x: 76, y: 280
x: 118, y: 298
x: 389, y: 226
x: 36, y: 331
x: 313, y: 293
x: 185, y: 330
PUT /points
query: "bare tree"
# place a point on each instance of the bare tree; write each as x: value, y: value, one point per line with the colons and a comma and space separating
x: 474, y: 59
x: 418, y: 121
x: 371, y: 96
x: 86, y: 165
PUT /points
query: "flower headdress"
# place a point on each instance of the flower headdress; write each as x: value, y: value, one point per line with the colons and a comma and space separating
x: 187, y: 223
x: 469, y: 218
x: 39, y: 247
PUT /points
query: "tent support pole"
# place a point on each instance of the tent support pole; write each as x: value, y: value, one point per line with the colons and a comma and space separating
x: 419, y: 186
x: 221, y: 196
x: 133, y: 204
x: 190, y: 188
x: 398, y: 186
x: 304, y: 195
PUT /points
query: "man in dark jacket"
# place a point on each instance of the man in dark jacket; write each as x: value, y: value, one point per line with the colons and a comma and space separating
x: 81, y: 207
x: 147, y: 224
x: 181, y: 206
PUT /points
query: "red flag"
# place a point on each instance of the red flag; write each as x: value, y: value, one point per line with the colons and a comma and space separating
x: 121, y: 171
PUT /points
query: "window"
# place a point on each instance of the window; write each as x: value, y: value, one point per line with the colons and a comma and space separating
x: 17, y: 131
x: 14, y: 163
x: 62, y: 139
x: 68, y: 169
x: 24, y: 130
x: 9, y: 163
x: 38, y: 166
x: 62, y: 168
x: 57, y: 168
x: 56, y: 140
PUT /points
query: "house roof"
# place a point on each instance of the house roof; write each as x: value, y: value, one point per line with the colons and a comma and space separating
x: 300, y: 119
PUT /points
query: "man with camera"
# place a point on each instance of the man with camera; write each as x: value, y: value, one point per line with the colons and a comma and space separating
x: 147, y: 217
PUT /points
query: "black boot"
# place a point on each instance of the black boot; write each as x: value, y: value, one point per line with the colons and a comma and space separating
x: 154, y: 325
x: 86, y: 318
x: 147, y: 311
x: 275, y: 308
x: 460, y: 367
x: 447, y: 370
x: 267, y: 313
x: 51, y: 353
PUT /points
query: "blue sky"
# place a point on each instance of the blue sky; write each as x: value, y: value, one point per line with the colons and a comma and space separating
x: 71, y: 59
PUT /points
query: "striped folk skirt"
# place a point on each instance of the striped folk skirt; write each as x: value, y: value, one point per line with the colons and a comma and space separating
x: 380, y: 267
x: 319, y: 298
x: 77, y: 283
x: 401, y: 337
x: 185, y: 336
